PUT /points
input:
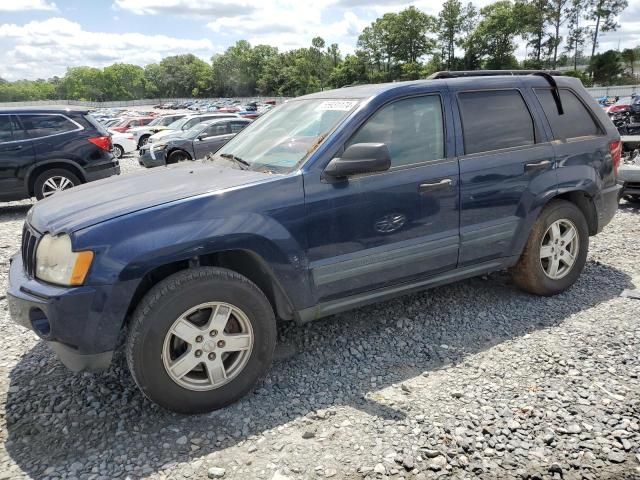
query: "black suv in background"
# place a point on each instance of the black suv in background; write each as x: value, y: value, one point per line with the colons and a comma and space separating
x: 44, y: 151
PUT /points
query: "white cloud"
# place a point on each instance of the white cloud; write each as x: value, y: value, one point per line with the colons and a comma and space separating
x: 191, y: 8
x: 20, y: 5
x: 40, y: 49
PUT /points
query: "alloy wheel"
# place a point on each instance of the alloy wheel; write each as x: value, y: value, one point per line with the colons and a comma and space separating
x: 208, y: 346
x: 559, y: 249
x: 56, y: 184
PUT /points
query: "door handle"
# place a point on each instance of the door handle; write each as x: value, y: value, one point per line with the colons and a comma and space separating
x: 530, y: 167
x: 428, y: 187
x: 11, y: 149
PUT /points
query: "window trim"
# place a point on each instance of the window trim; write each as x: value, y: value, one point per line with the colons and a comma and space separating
x: 408, y: 165
x: 603, y: 131
x: 535, y: 143
x: 17, y: 115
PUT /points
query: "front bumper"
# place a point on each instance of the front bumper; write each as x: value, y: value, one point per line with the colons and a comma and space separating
x: 152, y: 158
x: 81, y: 324
x: 629, y: 177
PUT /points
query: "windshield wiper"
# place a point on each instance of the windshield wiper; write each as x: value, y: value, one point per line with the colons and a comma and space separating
x: 243, y: 163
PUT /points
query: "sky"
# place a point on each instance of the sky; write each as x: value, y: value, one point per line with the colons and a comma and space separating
x: 42, y: 38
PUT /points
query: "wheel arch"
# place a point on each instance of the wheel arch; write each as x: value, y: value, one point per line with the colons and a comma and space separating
x: 585, y: 202
x: 174, y: 150
x: 244, y: 262
x: 40, y: 168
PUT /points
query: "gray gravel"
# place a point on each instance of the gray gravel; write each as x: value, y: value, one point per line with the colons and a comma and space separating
x: 471, y: 380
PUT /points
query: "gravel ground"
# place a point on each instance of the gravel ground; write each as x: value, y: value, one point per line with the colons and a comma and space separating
x: 471, y: 380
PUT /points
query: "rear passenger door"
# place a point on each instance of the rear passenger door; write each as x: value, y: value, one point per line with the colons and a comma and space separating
x: 16, y: 157
x: 506, y: 164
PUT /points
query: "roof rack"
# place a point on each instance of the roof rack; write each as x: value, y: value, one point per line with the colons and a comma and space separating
x: 546, y: 74
x: 489, y: 73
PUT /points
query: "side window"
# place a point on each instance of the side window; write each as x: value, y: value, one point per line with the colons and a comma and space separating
x: 217, y: 129
x: 237, y: 126
x: 19, y: 133
x: 493, y: 120
x: 412, y: 129
x: 44, y: 125
x: 576, y: 120
x: 6, y: 132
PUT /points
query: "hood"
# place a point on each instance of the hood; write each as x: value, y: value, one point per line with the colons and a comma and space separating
x: 161, y: 134
x: 173, y: 135
x: 96, y: 202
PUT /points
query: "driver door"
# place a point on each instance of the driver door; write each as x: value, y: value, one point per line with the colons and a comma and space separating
x: 214, y: 137
x: 375, y: 230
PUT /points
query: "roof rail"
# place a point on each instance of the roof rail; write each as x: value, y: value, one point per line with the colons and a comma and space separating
x: 489, y: 73
x: 546, y: 74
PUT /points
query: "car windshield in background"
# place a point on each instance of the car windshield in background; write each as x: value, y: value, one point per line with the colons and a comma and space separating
x: 155, y: 121
x: 196, y: 130
x: 281, y: 139
x: 624, y: 101
x: 177, y: 125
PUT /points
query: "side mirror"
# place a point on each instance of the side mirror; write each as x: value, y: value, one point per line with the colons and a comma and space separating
x: 360, y: 158
x: 201, y: 137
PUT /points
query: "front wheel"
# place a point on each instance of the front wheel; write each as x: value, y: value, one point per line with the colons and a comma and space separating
x: 201, y: 339
x: 143, y: 141
x: 556, y: 250
x: 178, y: 156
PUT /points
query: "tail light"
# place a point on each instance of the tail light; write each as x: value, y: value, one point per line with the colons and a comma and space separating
x: 615, y: 148
x: 102, y: 142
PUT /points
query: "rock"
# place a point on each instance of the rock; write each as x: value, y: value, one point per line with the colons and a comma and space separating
x: 252, y: 448
x: 182, y: 440
x: 457, y: 394
x: 574, y: 429
x: 431, y: 453
x: 308, y: 434
x: 216, y: 472
x: 330, y: 472
x: 463, y: 461
x: 513, y: 425
x: 380, y: 469
x: 437, y: 463
x: 408, y: 462
x: 616, y: 457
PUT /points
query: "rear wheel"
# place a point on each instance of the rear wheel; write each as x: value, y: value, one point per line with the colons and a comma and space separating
x: 118, y: 151
x: 201, y: 339
x: 143, y: 140
x: 556, y: 250
x: 178, y: 156
x: 54, y: 181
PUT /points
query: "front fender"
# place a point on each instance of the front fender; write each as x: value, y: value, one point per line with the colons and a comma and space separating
x: 129, y: 247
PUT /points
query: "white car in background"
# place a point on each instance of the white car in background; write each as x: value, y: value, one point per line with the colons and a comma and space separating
x: 123, y: 143
x: 186, y: 123
x: 142, y: 134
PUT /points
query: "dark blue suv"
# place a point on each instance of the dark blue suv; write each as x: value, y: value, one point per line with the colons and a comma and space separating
x: 329, y: 202
x: 45, y: 151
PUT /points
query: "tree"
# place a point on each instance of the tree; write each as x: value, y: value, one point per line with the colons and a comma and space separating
x: 559, y: 11
x: 410, y: 29
x: 453, y: 21
x: 495, y: 34
x: 605, y: 67
x: 83, y: 83
x: 630, y: 56
x: 604, y: 13
x: 534, y: 15
x: 576, y: 38
x: 122, y: 81
x: 351, y: 71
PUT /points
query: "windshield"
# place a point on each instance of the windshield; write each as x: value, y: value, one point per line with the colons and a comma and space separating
x: 178, y: 124
x: 624, y: 101
x: 196, y: 130
x: 155, y: 121
x: 282, y: 138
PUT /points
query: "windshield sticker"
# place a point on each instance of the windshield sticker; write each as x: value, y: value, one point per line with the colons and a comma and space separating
x: 340, y: 105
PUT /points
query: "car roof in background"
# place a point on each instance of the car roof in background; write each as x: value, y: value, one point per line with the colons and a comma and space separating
x: 63, y: 110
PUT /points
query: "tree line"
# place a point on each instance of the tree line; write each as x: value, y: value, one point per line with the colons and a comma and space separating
x: 397, y: 46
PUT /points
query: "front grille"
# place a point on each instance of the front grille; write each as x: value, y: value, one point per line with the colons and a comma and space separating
x: 30, y: 240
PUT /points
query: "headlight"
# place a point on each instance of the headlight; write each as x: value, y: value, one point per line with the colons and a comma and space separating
x: 159, y: 146
x: 56, y: 263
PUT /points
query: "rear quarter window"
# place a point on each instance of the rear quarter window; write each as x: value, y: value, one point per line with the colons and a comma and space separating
x: 577, y: 120
x: 97, y: 125
x: 46, y: 124
x: 494, y: 120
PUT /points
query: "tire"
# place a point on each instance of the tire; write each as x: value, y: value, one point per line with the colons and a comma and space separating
x: 53, y: 181
x: 178, y: 156
x: 118, y: 151
x: 164, y: 307
x: 632, y: 198
x: 533, y: 273
x: 143, y: 141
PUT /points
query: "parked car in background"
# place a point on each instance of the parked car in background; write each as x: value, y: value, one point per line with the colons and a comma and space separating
x: 123, y: 143
x: 130, y: 122
x: 45, y: 151
x: 332, y: 201
x: 203, y: 138
x: 186, y: 123
x: 142, y: 134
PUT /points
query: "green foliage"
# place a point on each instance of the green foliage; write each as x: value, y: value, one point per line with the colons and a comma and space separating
x: 406, y: 45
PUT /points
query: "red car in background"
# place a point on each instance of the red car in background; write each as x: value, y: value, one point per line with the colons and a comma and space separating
x: 128, y: 123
